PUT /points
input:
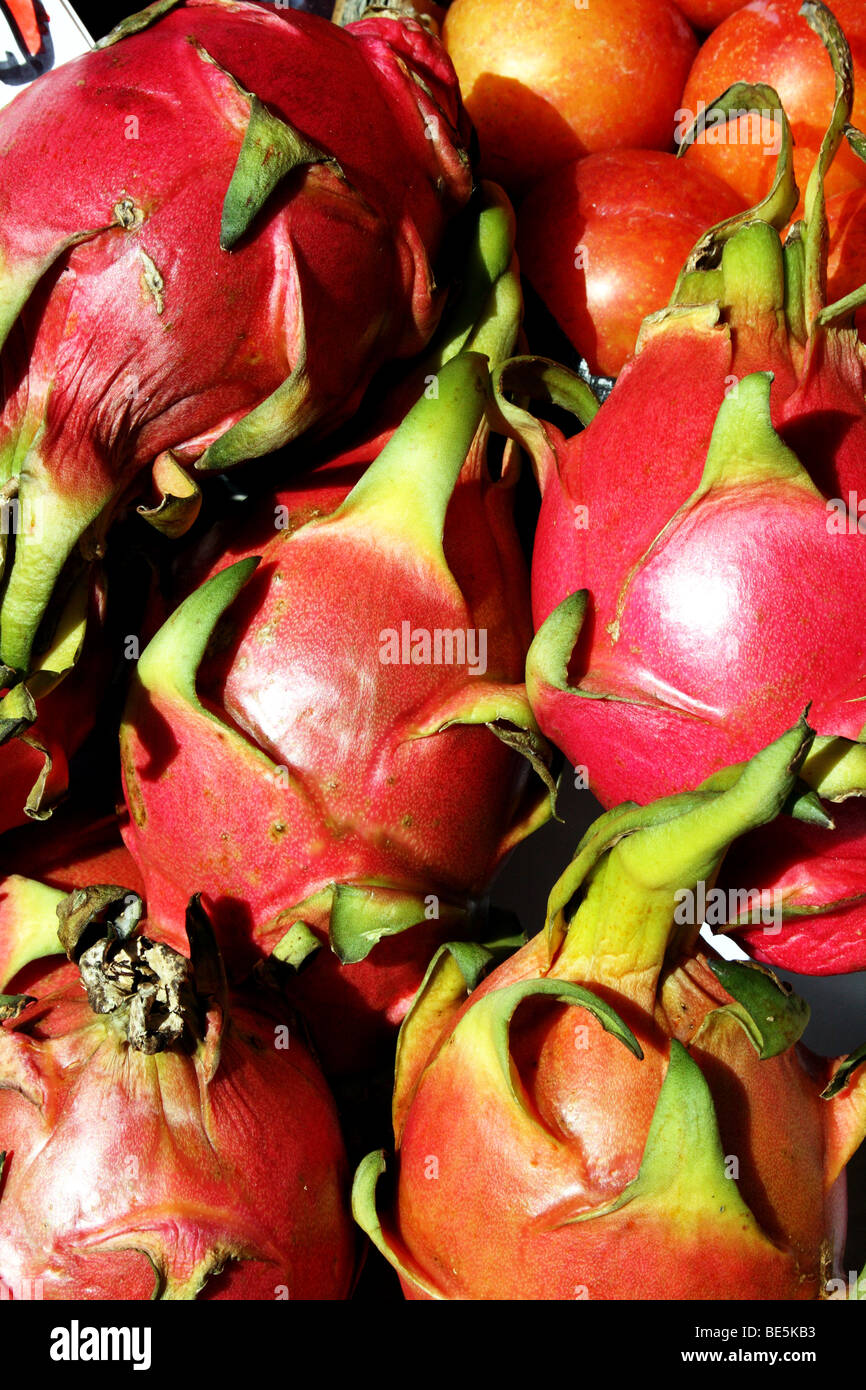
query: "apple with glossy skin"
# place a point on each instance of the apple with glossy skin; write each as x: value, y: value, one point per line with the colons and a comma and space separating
x: 603, y: 239
x: 768, y: 41
x: 707, y: 14
x: 546, y: 81
x: 846, y: 267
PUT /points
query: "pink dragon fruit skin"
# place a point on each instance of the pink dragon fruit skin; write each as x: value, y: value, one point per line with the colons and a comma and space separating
x: 309, y: 786
x: 808, y: 866
x: 202, y: 257
x: 697, y: 564
x: 730, y: 619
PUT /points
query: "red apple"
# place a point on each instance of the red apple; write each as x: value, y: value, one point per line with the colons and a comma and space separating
x: 706, y: 14
x: 846, y: 268
x: 603, y: 240
x: 547, y: 81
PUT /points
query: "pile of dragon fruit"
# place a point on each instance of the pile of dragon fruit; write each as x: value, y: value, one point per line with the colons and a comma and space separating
x: 322, y: 577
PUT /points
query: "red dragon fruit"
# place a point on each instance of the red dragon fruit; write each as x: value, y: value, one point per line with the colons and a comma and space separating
x: 699, y: 556
x: 356, y: 755
x: 45, y: 719
x: 215, y: 229
x: 610, y: 1115
x: 160, y: 1139
x: 34, y: 766
x: 82, y: 848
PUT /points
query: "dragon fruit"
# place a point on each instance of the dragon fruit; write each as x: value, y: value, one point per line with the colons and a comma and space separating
x: 609, y: 1114
x: 35, y: 766
x: 160, y: 1139
x: 355, y: 756
x: 698, y: 554
x: 81, y: 849
x: 45, y: 719
x: 233, y: 214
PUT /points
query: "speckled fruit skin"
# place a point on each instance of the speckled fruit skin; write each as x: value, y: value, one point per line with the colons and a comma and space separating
x: 704, y: 592
x: 130, y: 1176
x: 767, y: 41
x: 602, y: 241
x: 546, y: 81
